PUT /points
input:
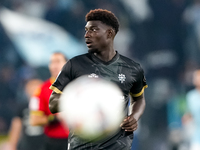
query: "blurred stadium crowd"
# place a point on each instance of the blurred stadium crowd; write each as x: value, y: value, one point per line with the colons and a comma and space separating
x: 163, y: 35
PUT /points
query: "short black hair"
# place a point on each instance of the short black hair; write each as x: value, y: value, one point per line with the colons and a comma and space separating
x: 104, y: 16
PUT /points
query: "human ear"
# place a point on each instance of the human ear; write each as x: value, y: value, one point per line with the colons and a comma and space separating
x: 110, y: 33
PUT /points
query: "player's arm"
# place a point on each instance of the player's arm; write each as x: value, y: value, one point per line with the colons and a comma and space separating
x: 138, y: 104
x: 38, y: 120
x: 14, y: 133
x: 38, y: 107
x: 62, y: 80
x: 53, y: 102
x: 37, y: 113
x: 41, y: 120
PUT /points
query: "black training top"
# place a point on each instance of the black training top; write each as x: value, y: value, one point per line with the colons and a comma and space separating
x: 122, y: 71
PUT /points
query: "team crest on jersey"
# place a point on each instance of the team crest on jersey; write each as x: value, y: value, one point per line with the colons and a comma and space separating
x: 122, y: 78
x: 93, y: 75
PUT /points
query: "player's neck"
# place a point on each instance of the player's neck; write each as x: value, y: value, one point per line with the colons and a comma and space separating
x: 106, y: 55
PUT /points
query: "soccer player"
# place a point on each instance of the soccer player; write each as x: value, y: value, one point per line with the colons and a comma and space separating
x: 22, y: 135
x: 56, y: 134
x: 103, y: 61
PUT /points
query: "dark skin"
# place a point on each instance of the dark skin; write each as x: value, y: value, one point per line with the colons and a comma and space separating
x: 99, y: 39
x: 130, y: 123
x: 53, y: 102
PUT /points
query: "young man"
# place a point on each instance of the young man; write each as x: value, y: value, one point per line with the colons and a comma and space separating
x: 104, y: 62
x: 56, y: 134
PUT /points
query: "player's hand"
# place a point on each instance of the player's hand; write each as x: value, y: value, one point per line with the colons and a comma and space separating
x: 129, y: 124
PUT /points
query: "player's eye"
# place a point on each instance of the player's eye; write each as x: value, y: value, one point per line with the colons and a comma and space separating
x: 94, y: 29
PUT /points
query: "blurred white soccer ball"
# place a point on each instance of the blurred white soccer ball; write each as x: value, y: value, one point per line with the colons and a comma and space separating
x: 92, y: 108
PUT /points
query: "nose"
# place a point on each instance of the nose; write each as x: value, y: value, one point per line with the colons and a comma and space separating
x: 87, y: 34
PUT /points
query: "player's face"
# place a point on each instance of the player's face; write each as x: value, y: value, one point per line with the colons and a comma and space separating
x: 96, y: 36
x: 57, y: 61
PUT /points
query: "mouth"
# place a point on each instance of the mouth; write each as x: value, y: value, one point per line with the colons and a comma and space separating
x: 88, y: 43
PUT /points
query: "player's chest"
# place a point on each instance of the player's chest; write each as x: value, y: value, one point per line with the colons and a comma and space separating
x: 119, y: 74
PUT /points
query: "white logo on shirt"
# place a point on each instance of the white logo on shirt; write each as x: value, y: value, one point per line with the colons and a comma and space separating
x: 93, y: 75
x: 122, y: 78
